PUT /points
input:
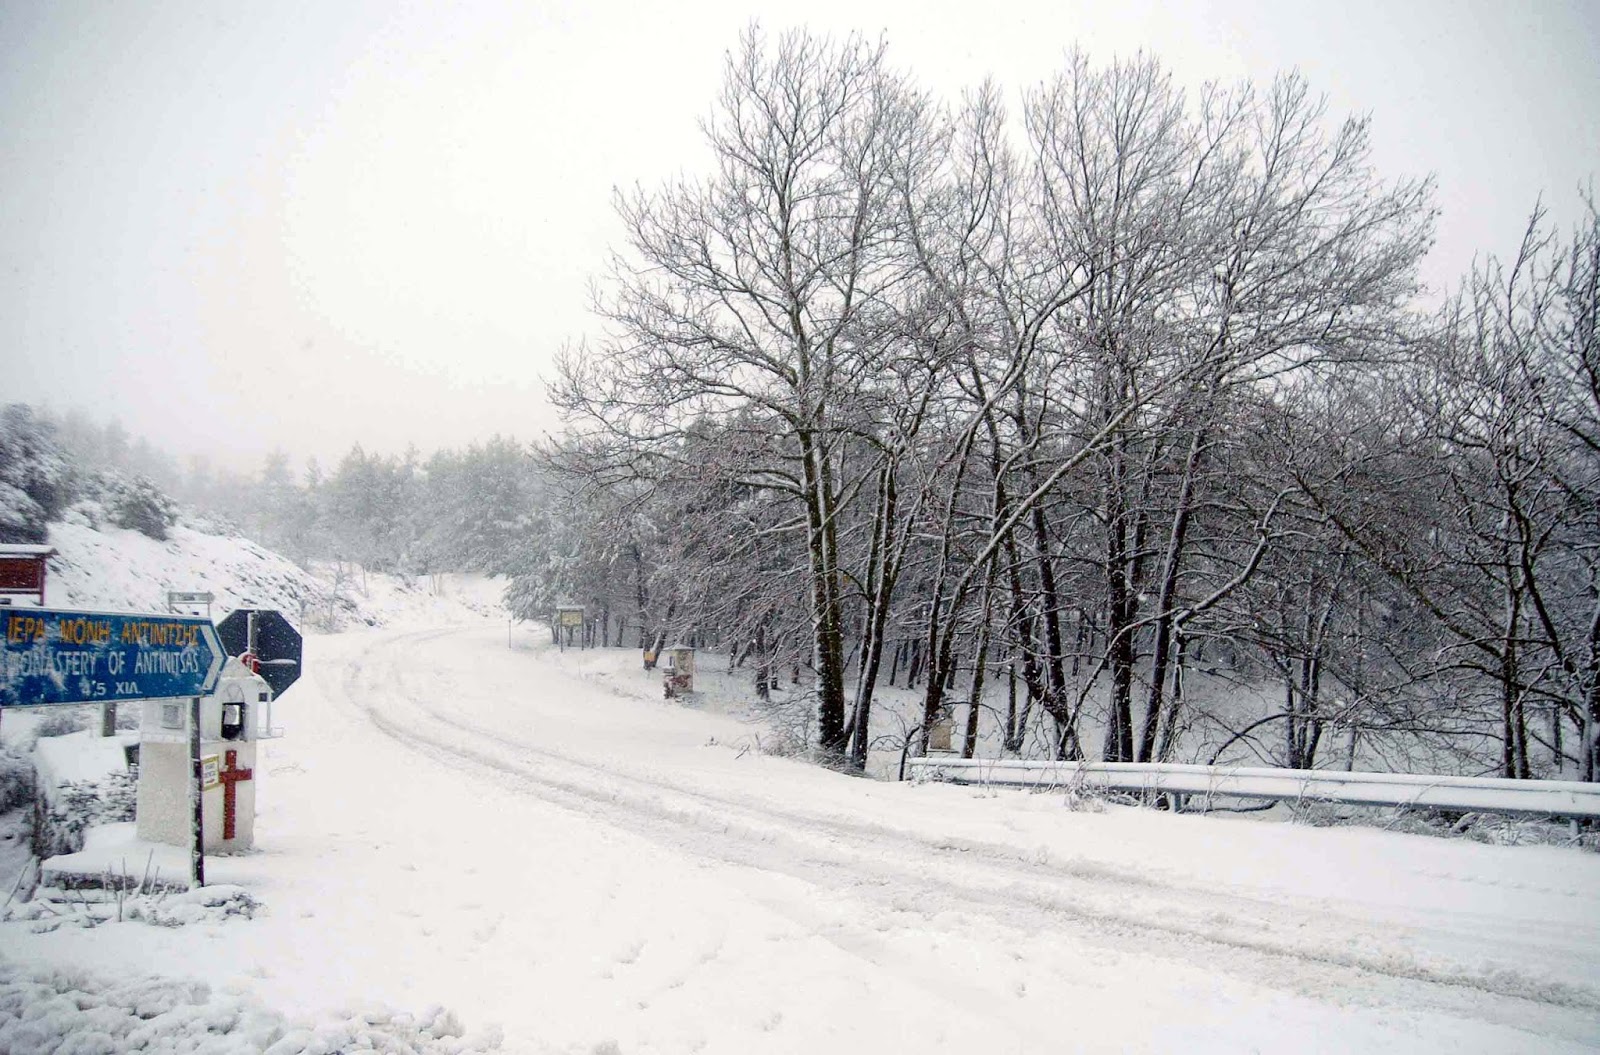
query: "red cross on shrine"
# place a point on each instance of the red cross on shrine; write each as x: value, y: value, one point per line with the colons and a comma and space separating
x: 230, y: 776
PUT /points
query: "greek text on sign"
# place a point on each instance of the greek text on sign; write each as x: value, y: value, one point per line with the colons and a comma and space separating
x: 60, y: 657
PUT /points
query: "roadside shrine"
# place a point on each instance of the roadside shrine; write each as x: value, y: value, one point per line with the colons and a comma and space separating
x: 205, y: 692
x: 677, y: 676
x: 232, y: 720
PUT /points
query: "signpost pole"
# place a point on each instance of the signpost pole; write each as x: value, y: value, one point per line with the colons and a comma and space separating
x: 197, y: 849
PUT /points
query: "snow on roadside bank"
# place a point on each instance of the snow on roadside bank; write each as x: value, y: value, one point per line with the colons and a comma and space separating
x: 45, y: 1010
x: 126, y: 1002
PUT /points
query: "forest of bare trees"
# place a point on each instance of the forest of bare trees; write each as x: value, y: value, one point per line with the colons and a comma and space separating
x: 1075, y: 400
x: 1112, y: 422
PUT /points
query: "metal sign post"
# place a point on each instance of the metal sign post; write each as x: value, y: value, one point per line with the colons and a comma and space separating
x: 254, y: 662
x: 197, y: 848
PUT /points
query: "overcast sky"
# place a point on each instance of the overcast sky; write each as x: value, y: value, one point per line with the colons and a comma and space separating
x: 234, y: 226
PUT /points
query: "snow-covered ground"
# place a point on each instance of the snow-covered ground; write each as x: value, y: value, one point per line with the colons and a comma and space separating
x: 535, y: 840
x: 116, y: 570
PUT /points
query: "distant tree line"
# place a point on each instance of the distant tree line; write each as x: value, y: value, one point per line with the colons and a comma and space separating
x: 456, y: 510
x: 464, y: 510
x: 1060, y: 405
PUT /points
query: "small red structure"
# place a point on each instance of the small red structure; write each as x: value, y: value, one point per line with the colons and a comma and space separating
x: 22, y: 571
x: 228, y: 776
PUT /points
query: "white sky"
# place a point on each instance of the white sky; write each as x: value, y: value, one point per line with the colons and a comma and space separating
x: 236, y: 226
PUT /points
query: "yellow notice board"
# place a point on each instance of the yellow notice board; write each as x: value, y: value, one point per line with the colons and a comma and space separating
x: 208, y: 771
x: 572, y: 617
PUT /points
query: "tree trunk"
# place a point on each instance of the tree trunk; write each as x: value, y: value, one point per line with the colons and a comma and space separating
x: 980, y: 660
x: 1023, y: 631
x: 1120, y: 602
x: 641, y: 598
x: 763, y: 664
x: 1010, y: 742
x: 1169, y: 725
x: 1167, y: 597
x: 827, y: 636
x: 1514, y: 744
x: 881, y: 574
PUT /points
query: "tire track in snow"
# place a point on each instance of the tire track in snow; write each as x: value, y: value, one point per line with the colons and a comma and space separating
x: 1006, y: 888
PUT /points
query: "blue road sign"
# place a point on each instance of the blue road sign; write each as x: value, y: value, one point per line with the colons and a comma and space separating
x: 49, y: 656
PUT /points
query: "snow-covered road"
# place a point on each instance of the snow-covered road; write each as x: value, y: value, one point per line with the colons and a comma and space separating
x: 536, y: 840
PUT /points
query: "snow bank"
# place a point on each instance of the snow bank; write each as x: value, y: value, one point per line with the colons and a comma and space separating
x: 49, y: 1011
x: 397, y: 601
x: 81, y: 756
x: 117, y: 569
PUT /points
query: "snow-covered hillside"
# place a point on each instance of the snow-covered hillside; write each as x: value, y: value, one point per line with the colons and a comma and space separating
x: 115, y: 569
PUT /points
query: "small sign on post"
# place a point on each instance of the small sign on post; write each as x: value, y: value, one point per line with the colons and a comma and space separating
x: 569, y: 619
x: 190, y: 597
x: 22, y: 572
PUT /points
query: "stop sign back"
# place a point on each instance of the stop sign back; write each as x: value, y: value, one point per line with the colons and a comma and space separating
x: 276, y: 646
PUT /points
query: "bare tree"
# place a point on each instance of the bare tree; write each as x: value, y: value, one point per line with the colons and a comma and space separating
x: 757, y: 288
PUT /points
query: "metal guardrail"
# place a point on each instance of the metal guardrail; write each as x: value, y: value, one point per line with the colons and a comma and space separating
x: 1552, y: 798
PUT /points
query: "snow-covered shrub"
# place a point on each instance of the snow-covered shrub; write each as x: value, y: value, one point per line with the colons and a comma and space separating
x: 139, y: 505
x: 1082, y: 797
x: 78, y: 806
x: 110, y: 496
x: 783, y: 743
x: 21, y: 518
x: 86, y: 512
x: 60, y: 721
x: 16, y: 780
x: 211, y: 522
x: 790, y: 717
x: 50, y: 1009
x: 1493, y: 828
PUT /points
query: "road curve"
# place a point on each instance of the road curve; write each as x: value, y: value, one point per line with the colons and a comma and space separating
x: 851, y: 855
